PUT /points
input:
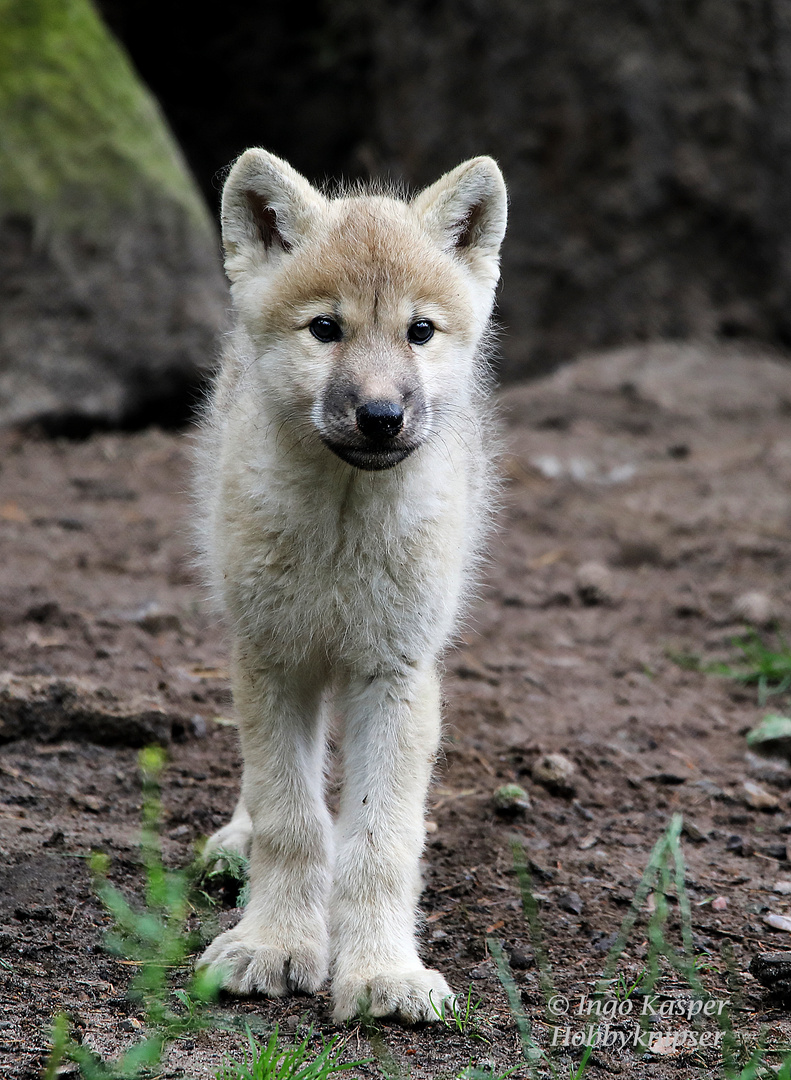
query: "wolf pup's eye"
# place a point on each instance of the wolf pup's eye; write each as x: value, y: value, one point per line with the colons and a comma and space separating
x: 420, y: 332
x: 325, y: 329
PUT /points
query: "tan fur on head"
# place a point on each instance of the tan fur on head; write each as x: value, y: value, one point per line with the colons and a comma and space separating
x: 344, y: 483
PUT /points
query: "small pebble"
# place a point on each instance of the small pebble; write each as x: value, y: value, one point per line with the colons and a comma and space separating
x: 758, y: 798
x: 782, y: 887
x: 483, y: 971
x: 198, y: 726
x: 519, y: 960
x: 755, y: 608
x: 595, y: 583
x: 511, y: 799
x: 778, y: 922
x: 571, y: 902
x: 719, y: 903
x: 554, y: 771
x: 690, y: 829
x: 154, y: 620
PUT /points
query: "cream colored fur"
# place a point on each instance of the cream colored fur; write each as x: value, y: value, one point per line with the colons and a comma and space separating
x: 342, y: 584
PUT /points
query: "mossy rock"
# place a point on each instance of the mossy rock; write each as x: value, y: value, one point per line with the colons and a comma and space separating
x: 110, y: 282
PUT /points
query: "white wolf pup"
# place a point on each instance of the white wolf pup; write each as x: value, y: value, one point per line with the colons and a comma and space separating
x: 343, y: 478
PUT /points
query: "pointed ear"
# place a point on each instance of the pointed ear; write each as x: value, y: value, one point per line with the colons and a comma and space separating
x: 466, y: 212
x: 267, y: 208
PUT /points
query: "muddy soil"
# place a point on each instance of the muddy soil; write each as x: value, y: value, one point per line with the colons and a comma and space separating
x: 646, y: 516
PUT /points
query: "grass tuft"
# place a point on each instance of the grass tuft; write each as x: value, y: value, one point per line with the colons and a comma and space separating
x: 758, y: 665
x: 271, y: 1061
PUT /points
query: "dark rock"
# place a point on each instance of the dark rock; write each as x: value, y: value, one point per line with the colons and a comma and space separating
x: 773, y: 970
x: 519, y: 960
x: 51, y: 709
x: 35, y: 913
x: 571, y: 902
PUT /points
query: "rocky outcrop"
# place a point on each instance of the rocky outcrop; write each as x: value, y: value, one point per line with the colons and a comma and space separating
x: 111, y: 289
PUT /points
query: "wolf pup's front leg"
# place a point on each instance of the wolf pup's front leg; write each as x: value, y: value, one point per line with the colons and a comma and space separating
x: 282, y: 941
x: 390, y: 741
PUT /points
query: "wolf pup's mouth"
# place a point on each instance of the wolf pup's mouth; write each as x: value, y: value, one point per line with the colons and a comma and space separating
x: 372, y: 459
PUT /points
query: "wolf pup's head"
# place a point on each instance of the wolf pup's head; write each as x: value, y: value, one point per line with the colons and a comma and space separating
x: 364, y: 313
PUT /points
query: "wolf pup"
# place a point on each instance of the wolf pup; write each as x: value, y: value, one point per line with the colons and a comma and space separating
x: 343, y: 482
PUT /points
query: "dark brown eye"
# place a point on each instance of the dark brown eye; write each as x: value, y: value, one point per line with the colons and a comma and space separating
x: 421, y: 331
x: 325, y: 329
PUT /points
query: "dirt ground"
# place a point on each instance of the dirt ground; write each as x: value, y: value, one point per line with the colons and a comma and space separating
x: 669, y: 469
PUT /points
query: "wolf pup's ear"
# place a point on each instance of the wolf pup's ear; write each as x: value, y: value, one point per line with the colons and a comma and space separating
x: 267, y: 207
x: 466, y: 212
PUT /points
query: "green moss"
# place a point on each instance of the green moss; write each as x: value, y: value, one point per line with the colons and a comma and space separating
x: 81, y: 138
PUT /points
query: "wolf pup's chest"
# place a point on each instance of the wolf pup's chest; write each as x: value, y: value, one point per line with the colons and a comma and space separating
x: 351, y: 566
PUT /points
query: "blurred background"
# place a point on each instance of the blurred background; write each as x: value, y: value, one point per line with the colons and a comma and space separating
x: 646, y: 143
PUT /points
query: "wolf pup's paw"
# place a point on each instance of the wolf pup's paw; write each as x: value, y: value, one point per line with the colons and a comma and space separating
x: 250, y: 963
x: 235, y: 836
x: 415, y: 996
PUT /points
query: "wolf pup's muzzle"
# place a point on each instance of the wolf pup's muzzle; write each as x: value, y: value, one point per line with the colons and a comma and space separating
x: 376, y: 434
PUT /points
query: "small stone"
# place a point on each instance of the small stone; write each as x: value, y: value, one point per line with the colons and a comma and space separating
x: 198, y: 726
x: 595, y: 583
x: 755, y: 608
x: 758, y: 798
x: 291, y: 1023
x: 519, y: 961
x: 738, y: 845
x: 690, y: 829
x: 571, y: 902
x: 510, y: 800
x: 87, y: 802
x: 35, y: 913
x: 772, y: 970
x: 540, y: 873
x: 605, y: 943
x: 154, y: 620
x: 719, y: 903
x: 778, y: 922
x: 483, y: 971
x: 438, y: 935
x: 555, y: 772
x: 782, y: 887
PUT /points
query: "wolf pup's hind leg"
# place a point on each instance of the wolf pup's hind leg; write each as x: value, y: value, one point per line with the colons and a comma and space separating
x: 235, y: 836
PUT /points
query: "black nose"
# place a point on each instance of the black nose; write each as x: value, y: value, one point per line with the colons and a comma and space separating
x: 380, y: 419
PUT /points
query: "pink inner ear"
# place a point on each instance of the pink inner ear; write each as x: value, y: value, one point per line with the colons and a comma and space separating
x: 265, y: 219
x: 468, y: 226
